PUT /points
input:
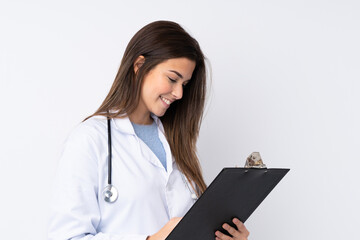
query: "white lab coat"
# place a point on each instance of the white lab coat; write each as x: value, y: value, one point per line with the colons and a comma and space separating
x: 148, y: 194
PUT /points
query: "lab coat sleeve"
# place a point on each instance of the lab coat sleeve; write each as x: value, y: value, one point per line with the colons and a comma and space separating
x: 74, y: 211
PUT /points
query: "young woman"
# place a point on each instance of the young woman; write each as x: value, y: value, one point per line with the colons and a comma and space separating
x: 147, y: 129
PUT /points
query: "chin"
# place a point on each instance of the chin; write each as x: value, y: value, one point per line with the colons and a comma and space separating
x: 159, y: 114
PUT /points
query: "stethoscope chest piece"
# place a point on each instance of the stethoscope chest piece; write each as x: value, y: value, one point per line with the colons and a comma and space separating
x: 110, y: 193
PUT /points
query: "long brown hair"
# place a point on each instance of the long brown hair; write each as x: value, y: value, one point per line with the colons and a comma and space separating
x: 157, y: 42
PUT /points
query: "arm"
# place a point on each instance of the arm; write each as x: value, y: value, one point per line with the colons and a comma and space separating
x: 166, y: 230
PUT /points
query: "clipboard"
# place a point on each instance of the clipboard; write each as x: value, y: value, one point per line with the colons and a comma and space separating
x: 235, y: 192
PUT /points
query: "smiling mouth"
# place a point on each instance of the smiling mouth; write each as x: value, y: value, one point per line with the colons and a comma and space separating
x: 165, y: 100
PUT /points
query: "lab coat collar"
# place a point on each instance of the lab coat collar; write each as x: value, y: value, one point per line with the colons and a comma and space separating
x: 124, y: 125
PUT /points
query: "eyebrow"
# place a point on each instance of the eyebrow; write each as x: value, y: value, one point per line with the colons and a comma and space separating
x: 177, y: 73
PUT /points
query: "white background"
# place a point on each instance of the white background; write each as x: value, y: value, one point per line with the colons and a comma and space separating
x: 285, y: 82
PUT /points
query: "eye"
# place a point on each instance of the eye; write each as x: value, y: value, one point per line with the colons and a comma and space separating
x: 172, y: 80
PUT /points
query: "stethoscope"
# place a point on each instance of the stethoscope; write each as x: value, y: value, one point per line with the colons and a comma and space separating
x: 110, y: 192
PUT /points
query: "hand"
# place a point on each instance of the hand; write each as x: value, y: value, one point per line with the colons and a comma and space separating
x: 166, y: 230
x: 241, y: 233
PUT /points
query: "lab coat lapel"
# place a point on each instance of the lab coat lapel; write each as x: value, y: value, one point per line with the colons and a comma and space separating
x: 169, y: 156
x: 149, y: 154
x: 124, y: 125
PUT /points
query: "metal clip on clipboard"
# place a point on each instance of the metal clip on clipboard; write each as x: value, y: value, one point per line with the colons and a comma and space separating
x: 255, y: 161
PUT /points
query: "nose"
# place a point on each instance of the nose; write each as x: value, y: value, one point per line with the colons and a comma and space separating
x: 177, y: 91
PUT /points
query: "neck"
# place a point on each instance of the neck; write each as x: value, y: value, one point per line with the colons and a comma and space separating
x: 141, y: 119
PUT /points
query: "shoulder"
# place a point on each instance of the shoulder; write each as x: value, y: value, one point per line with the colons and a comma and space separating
x: 92, y: 127
x: 91, y: 132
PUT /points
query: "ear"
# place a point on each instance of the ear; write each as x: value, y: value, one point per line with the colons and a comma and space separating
x: 138, y: 63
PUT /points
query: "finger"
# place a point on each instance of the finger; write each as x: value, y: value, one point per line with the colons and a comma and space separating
x: 241, y: 227
x: 220, y: 236
x: 231, y: 230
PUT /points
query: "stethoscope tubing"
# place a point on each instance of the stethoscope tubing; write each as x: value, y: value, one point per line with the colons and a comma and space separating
x: 109, y: 151
x: 110, y: 193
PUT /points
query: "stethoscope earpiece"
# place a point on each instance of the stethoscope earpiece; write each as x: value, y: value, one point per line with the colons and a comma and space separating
x: 110, y: 193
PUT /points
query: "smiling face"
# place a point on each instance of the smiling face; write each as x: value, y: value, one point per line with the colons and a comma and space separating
x: 162, y: 86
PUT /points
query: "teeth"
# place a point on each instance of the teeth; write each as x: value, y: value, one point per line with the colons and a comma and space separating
x: 165, y: 100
